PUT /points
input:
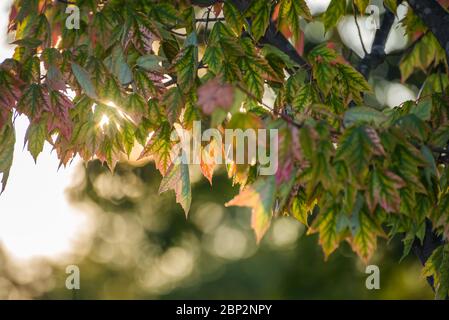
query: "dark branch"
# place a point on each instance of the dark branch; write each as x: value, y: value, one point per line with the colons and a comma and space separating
x: 377, y: 55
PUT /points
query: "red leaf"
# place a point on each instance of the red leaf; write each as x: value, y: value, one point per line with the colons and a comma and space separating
x: 214, y: 94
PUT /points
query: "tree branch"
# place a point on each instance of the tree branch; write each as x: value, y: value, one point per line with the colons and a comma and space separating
x: 377, y: 55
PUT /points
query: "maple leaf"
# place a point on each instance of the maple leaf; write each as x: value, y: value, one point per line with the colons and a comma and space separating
x: 59, y: 117
x: 383, y: 189
x: 9, y: 93
x: 160, y: 147
x: 178, y: 179
x: 214, y: 94
x: 326, y: 224
x: 364, y: 239
x: 209, y: 156
x: 7, y: 142
x: 289, y: 152
x: 260, y: 197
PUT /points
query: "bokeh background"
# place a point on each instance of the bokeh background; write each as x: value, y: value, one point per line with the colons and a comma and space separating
x: 129, y: 242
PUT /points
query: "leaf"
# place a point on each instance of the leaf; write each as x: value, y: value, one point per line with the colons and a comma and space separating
x: 361, y: 5
x: 55, y: 79
x: 437, y: 266
x: 302, y: 98
x: 160, y: 147
x: 254, y: 81
x: 334, y: 12
x: 7, y: 142
x: 425, y: 52
x: 177, y: 179
x: 289, y: 13
x: 173, y: 99
x: 36, y: 136
x: 150, y: 62
x: 215, y: 94
x: 324, y: 74
x: 31, y: 43
x: 186, y: 63
x: 326, y: 225
x: 233, y: 17
x: 214, y: 58
x: 260, y: 11
x: 84, y: 80
x: 209, y: 155
x: 363, y: 115
x: 423, y: 109
x: 364, y: 238
x: 260, y: 197
x: 118, y: 65
x: 136, y: 107
x: 353, y: 82
x: 357, y: 146
x: 383, y: 190
x: 34, y: 101
x: 300, y: 209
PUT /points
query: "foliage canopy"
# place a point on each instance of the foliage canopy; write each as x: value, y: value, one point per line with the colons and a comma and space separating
x: 134, y: 71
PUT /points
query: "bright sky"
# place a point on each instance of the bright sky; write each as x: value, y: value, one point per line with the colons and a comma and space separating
x: 35, y: 217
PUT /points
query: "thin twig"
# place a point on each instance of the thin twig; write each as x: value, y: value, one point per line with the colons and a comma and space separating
x: 358, y: 29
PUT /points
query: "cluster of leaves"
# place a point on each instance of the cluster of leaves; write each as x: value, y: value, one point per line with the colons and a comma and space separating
x: 137, y: 70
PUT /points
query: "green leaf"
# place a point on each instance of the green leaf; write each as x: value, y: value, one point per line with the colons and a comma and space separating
x: 365, y: 232
x: 289, y: 13
x: 174, y: 101
x: 303, y: 98
x: 7, y: 142
x: 177, y: 179
x: 383, y: 190
x: 363, y: 114
x: 361, y: 5
x: 84, y: 80
x: 233, y: 17
x: 214, y: 58
x: 356, y: 148
x: 423, y: 109
x: 160, y: 147
x: 260, y: 11
x: 31, y: 43
x: 150, y: 62
x: 36, y: 136
x: 136, y: 107
x: 437, y: 266
x: 336, y: 9
x: 260, y: 197
x: 186, y: 64
x: 118, y: 66
x: 353, y: 82
x: 324, y: 74
x: 34, y: 101
x: 326, y: 225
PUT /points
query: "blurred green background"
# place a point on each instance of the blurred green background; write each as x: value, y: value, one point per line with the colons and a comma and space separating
x: 143, y: 247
